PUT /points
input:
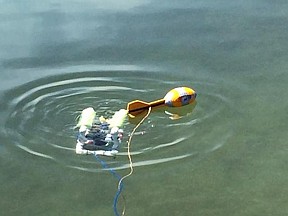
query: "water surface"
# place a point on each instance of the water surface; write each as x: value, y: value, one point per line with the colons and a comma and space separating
x: 225, y: 155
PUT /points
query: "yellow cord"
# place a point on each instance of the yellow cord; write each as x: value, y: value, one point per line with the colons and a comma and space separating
x: 129, y: 153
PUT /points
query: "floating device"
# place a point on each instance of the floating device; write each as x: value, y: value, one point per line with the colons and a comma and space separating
x: 176, y: 97
x: 87, y: 117
x: 99, y: 136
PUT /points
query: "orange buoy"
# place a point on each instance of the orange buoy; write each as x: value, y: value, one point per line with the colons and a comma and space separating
x: 180, y: 96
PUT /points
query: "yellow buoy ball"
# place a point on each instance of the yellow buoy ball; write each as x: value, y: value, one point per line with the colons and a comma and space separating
x: 180, y: 96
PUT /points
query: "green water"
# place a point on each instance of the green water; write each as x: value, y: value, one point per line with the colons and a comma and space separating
x: 226, y: 155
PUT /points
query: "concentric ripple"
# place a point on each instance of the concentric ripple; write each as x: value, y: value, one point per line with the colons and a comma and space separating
x: 42, y: 116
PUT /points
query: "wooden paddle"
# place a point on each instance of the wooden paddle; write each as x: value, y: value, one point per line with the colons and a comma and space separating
x: 137, y: 106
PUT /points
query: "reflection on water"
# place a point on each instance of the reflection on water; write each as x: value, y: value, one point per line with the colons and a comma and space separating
x: 224, y: 155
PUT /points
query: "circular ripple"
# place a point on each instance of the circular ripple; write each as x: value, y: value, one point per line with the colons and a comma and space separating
x: 43, y: 115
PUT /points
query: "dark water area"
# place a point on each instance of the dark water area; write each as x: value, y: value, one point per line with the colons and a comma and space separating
x: 225, y: 155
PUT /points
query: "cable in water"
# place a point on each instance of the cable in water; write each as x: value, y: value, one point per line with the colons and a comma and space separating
x: 128, y: 149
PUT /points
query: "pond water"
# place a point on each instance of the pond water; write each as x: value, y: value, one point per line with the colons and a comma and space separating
x: 225, y: 155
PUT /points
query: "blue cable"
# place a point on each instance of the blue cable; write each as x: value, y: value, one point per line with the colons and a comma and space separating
x: 118, y: 177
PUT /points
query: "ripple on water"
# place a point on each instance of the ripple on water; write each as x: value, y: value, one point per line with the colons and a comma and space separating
x: 43, y: 115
